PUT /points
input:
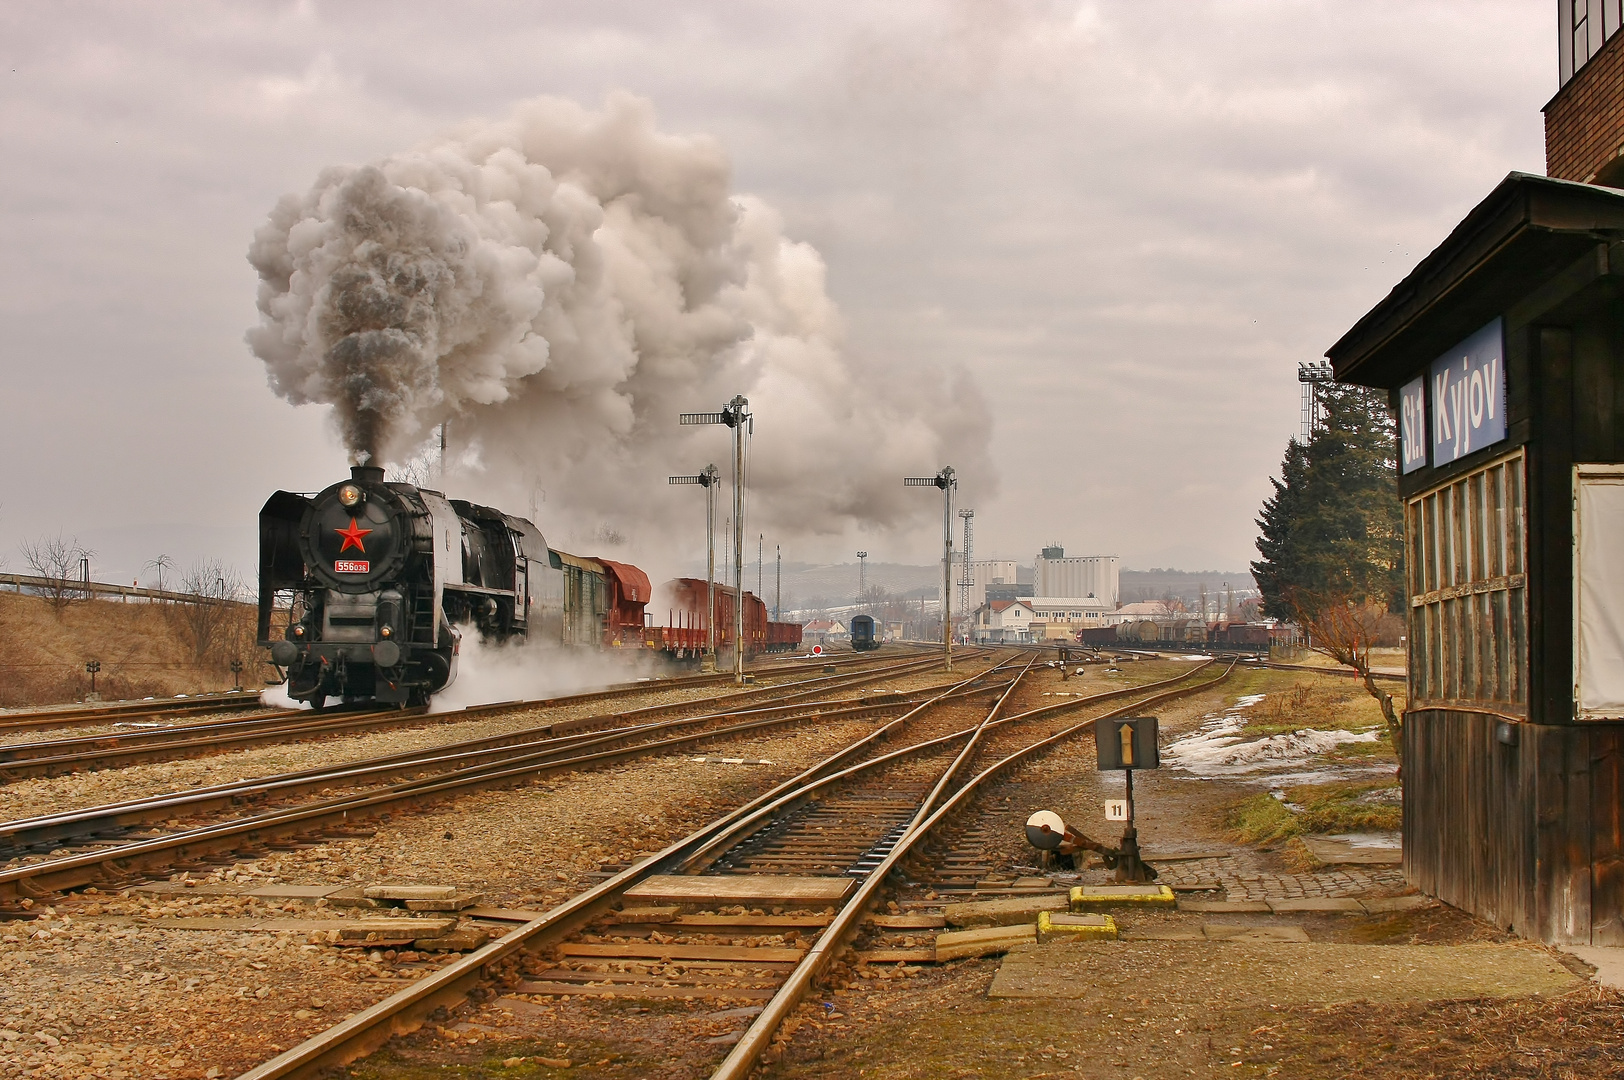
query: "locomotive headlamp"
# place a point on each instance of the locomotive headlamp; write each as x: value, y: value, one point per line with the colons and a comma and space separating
x: 349, y: 494
x: 386, y: 631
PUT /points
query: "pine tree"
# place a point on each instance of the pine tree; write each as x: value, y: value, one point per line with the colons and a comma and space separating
x: 1332, y: 532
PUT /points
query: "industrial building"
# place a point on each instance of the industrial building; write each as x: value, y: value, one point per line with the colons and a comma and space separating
x: 1080, y: 575
x: 997, y: 572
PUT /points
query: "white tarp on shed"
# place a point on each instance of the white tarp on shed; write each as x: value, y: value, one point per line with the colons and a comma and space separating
x: 1599, y: 591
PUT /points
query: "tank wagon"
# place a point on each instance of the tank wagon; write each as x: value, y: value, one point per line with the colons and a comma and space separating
x: 366, y: 587
x: 864, y: 635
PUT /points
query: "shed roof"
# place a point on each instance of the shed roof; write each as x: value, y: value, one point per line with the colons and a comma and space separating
x: 1524, y: 234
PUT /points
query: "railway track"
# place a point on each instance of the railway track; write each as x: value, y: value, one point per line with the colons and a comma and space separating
x: 234, y: 700
x: 792, y: 875
x: 113, y: 712
x: 436, y: 773
x: 56, y: 757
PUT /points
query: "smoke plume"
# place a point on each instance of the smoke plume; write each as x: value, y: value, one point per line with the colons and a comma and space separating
x: 559, y: 285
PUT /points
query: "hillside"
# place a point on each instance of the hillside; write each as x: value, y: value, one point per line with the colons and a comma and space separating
x: 145, y: 649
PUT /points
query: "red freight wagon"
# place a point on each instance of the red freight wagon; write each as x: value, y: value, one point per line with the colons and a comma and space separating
x: 686, y: 626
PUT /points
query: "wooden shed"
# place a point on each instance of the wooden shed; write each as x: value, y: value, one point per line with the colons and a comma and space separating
x: 1503, y: 353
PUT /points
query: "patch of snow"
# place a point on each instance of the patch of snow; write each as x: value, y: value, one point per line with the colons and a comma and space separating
x: 1220, y: 748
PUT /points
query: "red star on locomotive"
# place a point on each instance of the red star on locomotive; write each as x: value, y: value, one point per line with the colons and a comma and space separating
x: 352, y: 537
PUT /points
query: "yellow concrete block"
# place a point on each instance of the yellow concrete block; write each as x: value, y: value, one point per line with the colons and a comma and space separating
x: 1127, y: 897
x: 1054, y: 926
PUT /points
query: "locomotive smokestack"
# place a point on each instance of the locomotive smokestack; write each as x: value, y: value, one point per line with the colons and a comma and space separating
x: 374, y: 473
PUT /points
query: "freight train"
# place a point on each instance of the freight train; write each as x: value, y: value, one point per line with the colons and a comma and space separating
x: 366, y: 588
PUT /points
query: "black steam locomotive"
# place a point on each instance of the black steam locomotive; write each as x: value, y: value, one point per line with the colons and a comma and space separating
x: 370, y: 580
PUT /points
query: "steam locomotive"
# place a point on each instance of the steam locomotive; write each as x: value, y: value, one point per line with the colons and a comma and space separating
x: 365, y: 588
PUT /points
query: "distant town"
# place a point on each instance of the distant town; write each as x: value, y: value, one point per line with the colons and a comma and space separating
x: 1052, y: 597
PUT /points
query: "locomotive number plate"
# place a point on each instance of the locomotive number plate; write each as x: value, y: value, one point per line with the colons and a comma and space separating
x: 352, y: 566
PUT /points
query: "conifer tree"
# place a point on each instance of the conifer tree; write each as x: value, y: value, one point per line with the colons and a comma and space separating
x: 1333, y: 530
x: 1332, y: 534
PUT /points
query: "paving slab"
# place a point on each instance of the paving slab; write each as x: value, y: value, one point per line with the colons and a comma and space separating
x: 1136, y: 897
x: 1161, y: 933
x: 1008, y: 912
x: 294, y: 892
x: 1064, y: 927
x: 1226, y: 907
x: 1240, y: 932
x: 409, y: 892
x: 985, y: 941
x: 1344, y: 905
x: 1608, y: 960
x: 1240, y: 973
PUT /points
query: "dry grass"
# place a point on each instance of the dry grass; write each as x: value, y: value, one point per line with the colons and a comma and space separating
x: 1316, y: 808
x: 144, y: 650
x: 1317, y: 704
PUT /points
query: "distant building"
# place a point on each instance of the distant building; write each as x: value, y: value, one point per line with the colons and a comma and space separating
x: 992, y: 572
x: 1059, y: 617
x: 1000, y: 591
x: 1151, y: 610
x: 1080, y: 575
x: 823, y: 631
x: 1004, y: 621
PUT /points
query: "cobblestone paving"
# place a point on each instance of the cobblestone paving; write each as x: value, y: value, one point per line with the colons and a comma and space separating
x: 1244, y: 883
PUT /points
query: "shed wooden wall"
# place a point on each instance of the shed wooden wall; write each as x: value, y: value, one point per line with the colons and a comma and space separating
x: 1529, y: 837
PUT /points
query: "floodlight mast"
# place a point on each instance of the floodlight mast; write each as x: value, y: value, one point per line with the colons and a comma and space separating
x: 736, y: 415
x: 707, y: 479
x: 947, y: 482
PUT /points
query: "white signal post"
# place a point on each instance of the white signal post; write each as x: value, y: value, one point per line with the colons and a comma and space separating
x: 707, y: 479
x: 948, y: 483
x: 736, y: 415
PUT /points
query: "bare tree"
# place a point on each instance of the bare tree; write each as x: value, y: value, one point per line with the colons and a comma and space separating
x: 1345, y: 631
x: 57, y: 562
x: 160, y: 564
x: 205, y: 621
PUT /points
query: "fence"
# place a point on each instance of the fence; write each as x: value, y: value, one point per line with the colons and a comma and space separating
x: 20, y: 583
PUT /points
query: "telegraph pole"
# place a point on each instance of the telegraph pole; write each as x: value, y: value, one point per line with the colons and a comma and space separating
x: 736, y: 415
x: 946, y: 481
x: 708, y: 480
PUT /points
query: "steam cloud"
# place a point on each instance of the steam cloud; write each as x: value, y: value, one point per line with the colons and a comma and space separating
x: 559, y: 285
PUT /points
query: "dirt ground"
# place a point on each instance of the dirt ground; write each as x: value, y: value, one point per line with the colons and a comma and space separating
x: 1171, y: 1013
x: 1174, y: 1008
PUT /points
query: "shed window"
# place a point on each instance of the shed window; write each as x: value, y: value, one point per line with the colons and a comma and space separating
x: 1467, y: 584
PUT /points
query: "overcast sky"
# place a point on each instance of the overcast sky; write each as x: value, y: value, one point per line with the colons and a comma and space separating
x: 1128, y: 221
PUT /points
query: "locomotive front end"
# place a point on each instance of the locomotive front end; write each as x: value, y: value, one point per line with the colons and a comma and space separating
x: 363, y: 620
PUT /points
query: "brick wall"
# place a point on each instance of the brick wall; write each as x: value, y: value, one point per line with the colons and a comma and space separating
x: 1584, y: 123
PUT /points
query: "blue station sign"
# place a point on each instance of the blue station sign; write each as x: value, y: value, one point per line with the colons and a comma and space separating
x: 1412, y: 425
x: 1467, y: 395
